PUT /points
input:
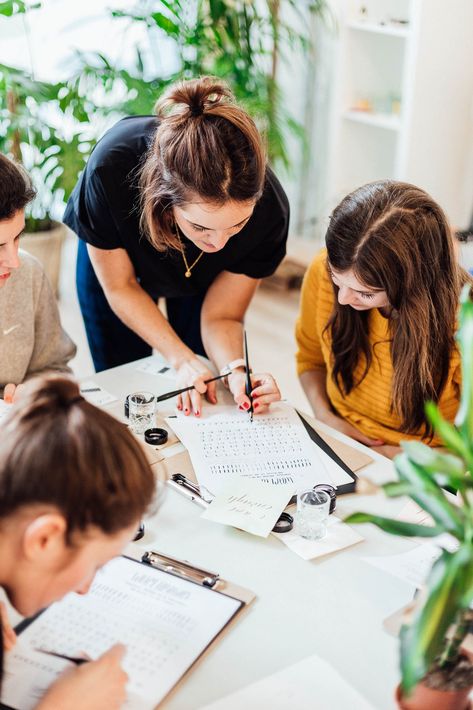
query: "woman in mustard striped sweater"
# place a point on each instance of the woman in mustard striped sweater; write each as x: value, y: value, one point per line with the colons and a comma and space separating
x: 377, y: 321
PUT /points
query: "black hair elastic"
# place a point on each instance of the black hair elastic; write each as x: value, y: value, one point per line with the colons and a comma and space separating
x: 156, y: 436
x: 284, y: 523
x: 127, y: 406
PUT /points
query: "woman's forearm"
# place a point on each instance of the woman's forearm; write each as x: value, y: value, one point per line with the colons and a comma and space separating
x: 139, y: 312
x: 223, y: 340
x: 313, y: 384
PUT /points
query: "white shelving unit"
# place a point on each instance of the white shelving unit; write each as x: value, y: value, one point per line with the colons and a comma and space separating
x: 409, y: 62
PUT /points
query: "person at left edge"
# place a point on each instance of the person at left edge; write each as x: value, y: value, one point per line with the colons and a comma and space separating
x: 214, y: 221
x: 32, y: 340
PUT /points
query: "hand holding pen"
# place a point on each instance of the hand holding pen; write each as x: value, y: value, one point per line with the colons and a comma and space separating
x: 92, y: 685
x: 253, y: 393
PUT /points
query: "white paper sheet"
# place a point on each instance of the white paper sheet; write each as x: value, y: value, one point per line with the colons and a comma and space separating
x: 311, y: 684
x: 164, y: 621
x: 339, y: 535
x: 414, y: 565
x: 94, y: 394
x: 275, y: 447
x: 249, y: 504
x: 157, y: 365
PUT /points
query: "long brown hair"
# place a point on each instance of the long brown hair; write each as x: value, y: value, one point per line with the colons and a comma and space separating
x: 206, y: 147
x: 396, y: 238
x: 58, y: 449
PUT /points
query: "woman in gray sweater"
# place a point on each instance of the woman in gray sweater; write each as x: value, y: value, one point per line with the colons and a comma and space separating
x: 32, y: 341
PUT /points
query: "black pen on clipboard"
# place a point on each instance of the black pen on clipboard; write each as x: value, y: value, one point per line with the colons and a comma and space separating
x: 248, y: 386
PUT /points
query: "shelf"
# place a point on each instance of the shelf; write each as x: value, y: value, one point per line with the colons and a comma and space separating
x: 380, y: 120
x: 390, y: 30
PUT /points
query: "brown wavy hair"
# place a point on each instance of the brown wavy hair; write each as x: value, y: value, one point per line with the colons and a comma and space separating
x: 396, y: 238
x: 58, y: 449
x: 205, y: 147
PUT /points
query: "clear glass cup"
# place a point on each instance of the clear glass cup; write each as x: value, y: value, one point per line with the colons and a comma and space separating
x: 313, y: 509
x: 141, y: 408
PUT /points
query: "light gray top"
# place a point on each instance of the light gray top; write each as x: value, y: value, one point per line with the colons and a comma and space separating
x: 32, y: 341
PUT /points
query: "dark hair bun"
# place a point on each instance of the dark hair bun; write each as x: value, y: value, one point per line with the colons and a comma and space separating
x: 194, y: 98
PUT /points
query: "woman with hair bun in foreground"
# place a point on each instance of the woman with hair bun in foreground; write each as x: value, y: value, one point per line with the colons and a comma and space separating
x: 74, y: 485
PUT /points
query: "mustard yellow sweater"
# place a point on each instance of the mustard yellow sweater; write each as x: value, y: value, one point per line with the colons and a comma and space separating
x: 368, y: 406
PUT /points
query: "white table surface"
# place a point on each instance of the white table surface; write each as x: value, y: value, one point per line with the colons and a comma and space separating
x: 333, y: 606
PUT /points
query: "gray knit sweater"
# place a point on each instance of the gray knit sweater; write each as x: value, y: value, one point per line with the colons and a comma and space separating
x: 32, y: 341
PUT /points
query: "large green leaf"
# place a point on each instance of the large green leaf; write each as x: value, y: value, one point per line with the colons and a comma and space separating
x: 429, y: 495
x: 446, y: 469
x: 449, y: 434
x: 423, y: 639
x: 395, y: 527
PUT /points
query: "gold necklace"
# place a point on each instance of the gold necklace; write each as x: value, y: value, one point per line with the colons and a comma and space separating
x: 188, y: 270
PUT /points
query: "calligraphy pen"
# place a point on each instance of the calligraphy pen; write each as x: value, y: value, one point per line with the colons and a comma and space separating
x: 248, y: 385
x: 174, y: 393
x: 77, y: 660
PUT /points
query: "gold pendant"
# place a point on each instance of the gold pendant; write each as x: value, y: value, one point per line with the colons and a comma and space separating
x: 187, y: 274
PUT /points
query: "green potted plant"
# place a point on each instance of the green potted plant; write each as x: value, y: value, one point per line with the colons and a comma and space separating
x: 34, y: 118
x: 436, y: 668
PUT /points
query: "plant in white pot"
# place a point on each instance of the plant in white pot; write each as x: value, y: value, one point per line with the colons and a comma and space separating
x: 436, y: 667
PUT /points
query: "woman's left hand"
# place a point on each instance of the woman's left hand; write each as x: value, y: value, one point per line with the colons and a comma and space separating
x: 264, y: 391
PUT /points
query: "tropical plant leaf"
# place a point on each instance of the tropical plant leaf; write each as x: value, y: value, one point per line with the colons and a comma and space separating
x: 428, y: 494
x: 395, y: 527
x: 423, y: 639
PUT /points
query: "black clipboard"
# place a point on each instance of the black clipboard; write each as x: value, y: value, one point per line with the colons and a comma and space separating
x: 210, y: 581
x: 322, y: 444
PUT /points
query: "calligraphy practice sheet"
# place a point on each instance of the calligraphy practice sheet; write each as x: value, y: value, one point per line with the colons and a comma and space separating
x: 274, y: 447
x: 249, y: 504
x: 164, y: 621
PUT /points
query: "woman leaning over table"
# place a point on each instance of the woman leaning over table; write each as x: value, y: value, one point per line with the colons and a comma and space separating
x: 181, y: 205
x: 74, y: 484
x: 378, y: 316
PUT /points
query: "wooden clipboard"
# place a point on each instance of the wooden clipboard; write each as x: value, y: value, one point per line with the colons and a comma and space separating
x: 191, y: 574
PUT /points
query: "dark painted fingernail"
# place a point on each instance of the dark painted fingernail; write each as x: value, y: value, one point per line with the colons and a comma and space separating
x: 255, y: 406
x: 246, y: 405
x: 186, y: 411
x: 197, y: 414
x: 241, y: 407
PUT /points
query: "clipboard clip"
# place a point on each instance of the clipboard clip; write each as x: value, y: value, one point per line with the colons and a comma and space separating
x: 180, y: 568
x: 190, y: 489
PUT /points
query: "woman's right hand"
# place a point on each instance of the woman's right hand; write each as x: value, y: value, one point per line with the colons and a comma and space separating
x: 92, y: 686
x: 346, y: 428
x: 193, y: 372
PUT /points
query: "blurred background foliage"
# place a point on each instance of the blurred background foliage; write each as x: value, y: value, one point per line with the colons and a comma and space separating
x: 52, y: 127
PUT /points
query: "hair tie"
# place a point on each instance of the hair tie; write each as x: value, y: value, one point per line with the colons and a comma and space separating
x: 196, y: 110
